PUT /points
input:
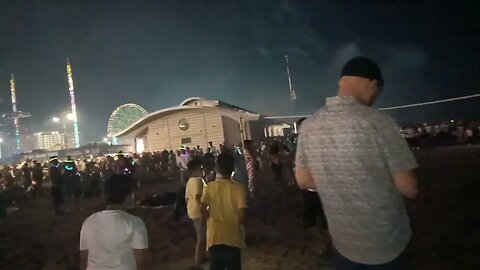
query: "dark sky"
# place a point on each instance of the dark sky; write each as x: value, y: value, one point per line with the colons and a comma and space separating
x: 157, y: 53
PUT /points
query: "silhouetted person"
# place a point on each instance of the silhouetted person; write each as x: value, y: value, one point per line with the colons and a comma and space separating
x: 56, y: 181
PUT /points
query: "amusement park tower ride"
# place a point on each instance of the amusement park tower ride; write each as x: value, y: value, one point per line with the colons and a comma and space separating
x: 15, y: 115
x: 14, y: 110
x: 71, y: 90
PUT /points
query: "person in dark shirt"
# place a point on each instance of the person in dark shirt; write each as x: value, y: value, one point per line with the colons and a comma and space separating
x: 56, y: 180
x: 72, y: 181
x: 209, y: 165
x: 38, y: 174
x: 27, y: 175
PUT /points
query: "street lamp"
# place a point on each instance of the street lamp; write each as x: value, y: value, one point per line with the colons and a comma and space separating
x: 59, y: 120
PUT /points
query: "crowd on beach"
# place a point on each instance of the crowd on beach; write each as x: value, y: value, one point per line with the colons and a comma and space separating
x: 350, y: 161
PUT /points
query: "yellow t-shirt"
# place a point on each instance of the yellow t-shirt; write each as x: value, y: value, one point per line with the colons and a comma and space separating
x: 225, y: 198
x: 194, y: 187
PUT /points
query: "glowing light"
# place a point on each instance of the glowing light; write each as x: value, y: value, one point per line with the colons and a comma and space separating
x: 56, y: 119
x: 1, y: 140
x: 14, y: 108
x: 140, y: 145
x: 71, y: 90
x: 105, y: 140
x: 70, y: 116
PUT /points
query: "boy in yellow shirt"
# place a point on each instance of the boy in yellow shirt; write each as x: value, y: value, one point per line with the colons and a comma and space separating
x: 224, y: 205
x: 193, y: 194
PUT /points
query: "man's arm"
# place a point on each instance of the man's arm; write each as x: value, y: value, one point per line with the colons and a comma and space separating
x: 242, y: 214
x: 242, y: 204
x: 204, y: 211
x: 199, y: 190
x: 84, y: 245
x: 406, y: 183
x: 205, y: 200
x: 399, y: 158
x: 304, y: 178
x: 83, y: 259
x: 142, y: 258
x: 140, y: 244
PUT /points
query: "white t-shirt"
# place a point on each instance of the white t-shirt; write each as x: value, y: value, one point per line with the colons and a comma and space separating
x: 182, y: 161
x: 110, y: 237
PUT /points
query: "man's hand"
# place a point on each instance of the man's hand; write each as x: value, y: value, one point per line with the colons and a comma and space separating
x: 242, y: 213
x: 304, y: 178
x: 205, y: 212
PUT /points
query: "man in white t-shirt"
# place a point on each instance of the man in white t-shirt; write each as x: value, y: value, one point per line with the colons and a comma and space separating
x: 113, y: 238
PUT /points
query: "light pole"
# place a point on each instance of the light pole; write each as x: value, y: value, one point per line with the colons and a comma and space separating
x: 58, y: 120
x: 1, y: 142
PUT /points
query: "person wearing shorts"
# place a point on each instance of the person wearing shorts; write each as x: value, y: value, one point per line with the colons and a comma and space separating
x: 193, y: 195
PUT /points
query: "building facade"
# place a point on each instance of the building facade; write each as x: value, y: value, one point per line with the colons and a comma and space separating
x: 53, y: 140
x: 195, y: 122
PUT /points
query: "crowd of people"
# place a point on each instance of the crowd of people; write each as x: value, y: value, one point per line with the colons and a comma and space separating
x: 447, y: 133
x: 354, y: 180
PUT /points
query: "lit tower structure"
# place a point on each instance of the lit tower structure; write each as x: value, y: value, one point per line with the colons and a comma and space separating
x: 293, y: 96
x: 15, y: 115
x: 71, y: 90
x: 14, y: 110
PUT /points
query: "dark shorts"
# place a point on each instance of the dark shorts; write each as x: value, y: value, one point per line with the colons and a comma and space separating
x: 402, y: 262
x: 224, y: 257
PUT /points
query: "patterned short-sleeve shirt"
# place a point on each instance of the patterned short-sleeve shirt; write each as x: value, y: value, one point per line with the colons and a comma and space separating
x: 352, y: 151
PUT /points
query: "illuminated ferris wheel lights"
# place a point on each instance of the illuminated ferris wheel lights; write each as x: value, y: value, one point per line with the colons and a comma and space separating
x: 124, y: 116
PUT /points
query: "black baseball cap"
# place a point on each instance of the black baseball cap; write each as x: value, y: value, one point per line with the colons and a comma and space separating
x: 363, y: 67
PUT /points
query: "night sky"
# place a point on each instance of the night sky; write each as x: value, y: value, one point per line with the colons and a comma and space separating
x: 157, y: 53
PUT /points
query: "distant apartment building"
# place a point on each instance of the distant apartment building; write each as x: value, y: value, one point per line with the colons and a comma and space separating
x: 52, y: 140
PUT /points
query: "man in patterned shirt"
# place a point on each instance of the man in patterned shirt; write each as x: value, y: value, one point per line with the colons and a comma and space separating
x: 356, y: 159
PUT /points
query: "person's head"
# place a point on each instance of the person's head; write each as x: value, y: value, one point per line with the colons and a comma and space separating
x: 210, y: 143
x: 361, y: 78
x: 225, y: 165
x: 54, y: 161
x: 195, y: 167
x: 248, y: 147
x: 117, y: 189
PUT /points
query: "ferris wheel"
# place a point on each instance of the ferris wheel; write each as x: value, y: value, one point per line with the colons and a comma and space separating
x: 124, y: 116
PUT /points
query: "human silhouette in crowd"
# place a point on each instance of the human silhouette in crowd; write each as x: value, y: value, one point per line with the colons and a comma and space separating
x: 57, y: 185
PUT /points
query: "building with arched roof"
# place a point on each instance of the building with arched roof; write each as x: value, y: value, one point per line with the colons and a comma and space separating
x: 194, y: 122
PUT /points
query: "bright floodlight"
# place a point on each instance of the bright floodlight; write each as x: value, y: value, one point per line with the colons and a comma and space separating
x: 56, y: 119
x: 70, y: 116
x: 1, y: 140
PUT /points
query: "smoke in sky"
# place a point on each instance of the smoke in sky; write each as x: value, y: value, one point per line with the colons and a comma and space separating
x: 158, y: 53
